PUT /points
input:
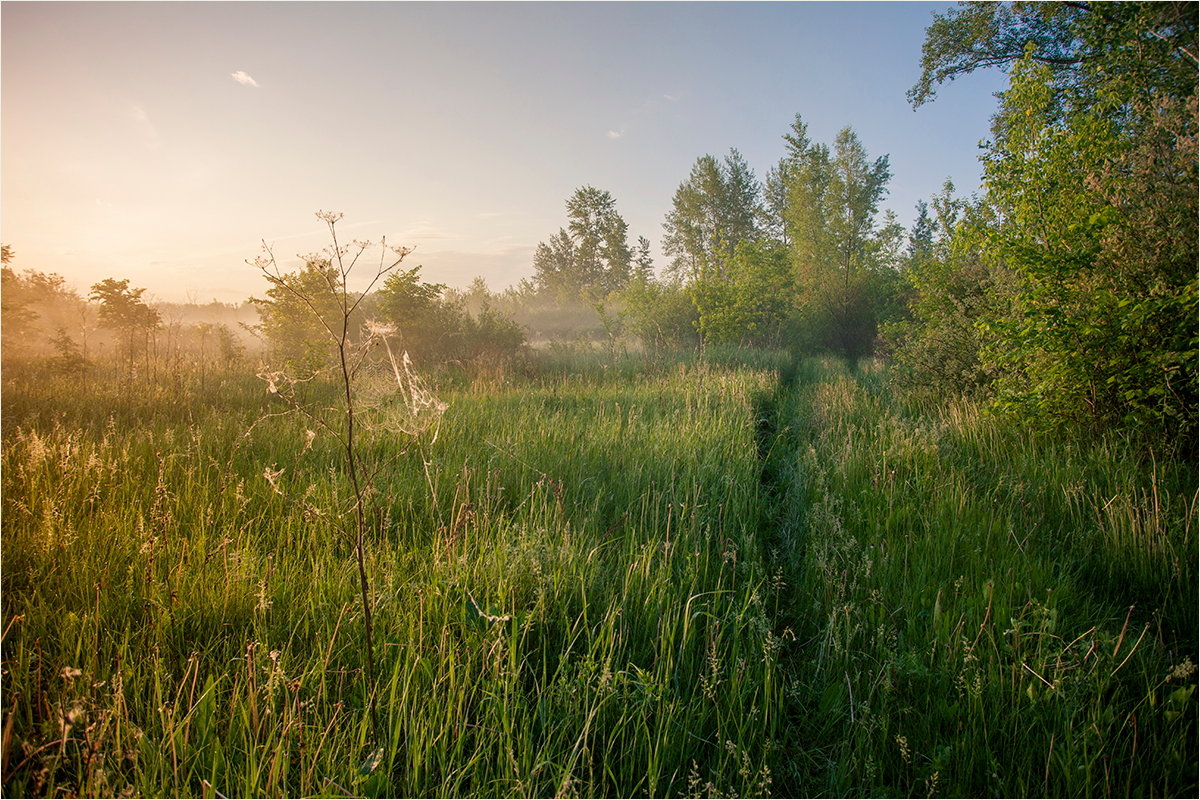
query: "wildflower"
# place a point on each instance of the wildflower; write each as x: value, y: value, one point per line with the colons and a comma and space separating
x: 904, y: 751
x: 1183, y: 671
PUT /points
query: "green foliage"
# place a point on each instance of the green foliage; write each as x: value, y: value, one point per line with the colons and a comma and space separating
x: 1092, y: 175
x: 69, y: 358
x: 803, y: 260
x: 599, y: 235
x: 123, y: 310
x: 952, y: 285
x: 299, y: 322
x: 491, y: 337
x: 426, y: 326
x: 979, y: 35
x: 554, y: 266
x: 751, y: 302
x: 1103, y: 329
x: 591, y: 257
x: 301, y: 319
x: 661, y: 314
x: 643, y: 262
x: 230, y: 346
x: 1111, y: 51
x: 712, y: 212
x: 35, y: 307
x: 435, y: 328
x: 844, y: 258
x: 17, y: 315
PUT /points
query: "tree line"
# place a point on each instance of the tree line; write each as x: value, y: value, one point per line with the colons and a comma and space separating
x: 1064, y: 293
x: 48, y: 322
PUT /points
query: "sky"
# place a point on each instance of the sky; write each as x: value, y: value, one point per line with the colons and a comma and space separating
x: 164, y: 142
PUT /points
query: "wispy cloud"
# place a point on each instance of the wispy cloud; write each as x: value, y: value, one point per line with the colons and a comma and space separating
x: 644, y: 113
x: 243, y: 78
x: 144, y: 125
x: 424, y: 232
x: 423, y: 229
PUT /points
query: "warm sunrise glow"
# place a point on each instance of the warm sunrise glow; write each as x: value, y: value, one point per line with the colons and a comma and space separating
x: 162, y: 141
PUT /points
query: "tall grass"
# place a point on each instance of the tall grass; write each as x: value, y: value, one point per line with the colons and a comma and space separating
x: 715, y: 575
x: 570, y: 592
x: 981, y: 611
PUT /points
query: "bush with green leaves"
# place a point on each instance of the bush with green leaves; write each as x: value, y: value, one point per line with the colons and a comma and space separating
x: 1092, y: 175
x: 751, y: 301
x: 660, y: 314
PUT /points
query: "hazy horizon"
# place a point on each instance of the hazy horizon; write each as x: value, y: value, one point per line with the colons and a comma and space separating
x: 161, y: 142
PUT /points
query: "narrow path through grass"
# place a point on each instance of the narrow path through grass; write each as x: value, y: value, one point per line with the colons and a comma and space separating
x: 949, y: 601
x: 701, y: 579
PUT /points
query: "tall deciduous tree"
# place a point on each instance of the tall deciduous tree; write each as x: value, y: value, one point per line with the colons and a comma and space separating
x: 1133, y: 47
x: 839, y: 248
x: 554, y: 266
x: 717, y: 207
x: 772, y: 223
x: 123, y: 310
x: 590, y: 257
x: 600, y: 236
x: 643, y: 261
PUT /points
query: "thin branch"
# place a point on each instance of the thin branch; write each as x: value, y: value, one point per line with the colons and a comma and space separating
x: 337, y: 251
x: 1180, y: 48
x: 362, y: 246
x: 276, y: 277
x: 402, y: 252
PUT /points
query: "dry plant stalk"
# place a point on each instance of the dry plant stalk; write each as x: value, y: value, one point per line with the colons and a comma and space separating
x: 336, y: 264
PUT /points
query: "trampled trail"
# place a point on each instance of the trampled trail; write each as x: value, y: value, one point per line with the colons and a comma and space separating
x: 940, y: 596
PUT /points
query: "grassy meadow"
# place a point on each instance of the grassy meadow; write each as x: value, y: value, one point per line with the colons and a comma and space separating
x: 597, y: 575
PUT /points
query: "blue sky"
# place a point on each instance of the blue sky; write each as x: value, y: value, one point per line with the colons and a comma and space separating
x: 161, y: 141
